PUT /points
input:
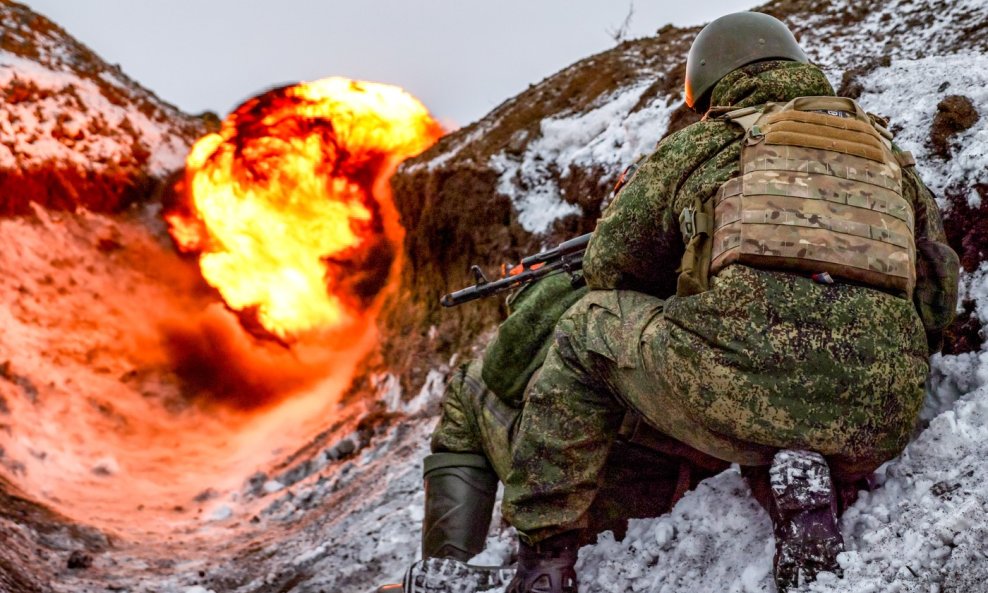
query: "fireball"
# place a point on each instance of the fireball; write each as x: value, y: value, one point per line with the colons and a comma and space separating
x: 287, y: 206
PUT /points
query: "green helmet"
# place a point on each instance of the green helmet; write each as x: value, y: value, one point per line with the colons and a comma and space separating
x: 733, y: 41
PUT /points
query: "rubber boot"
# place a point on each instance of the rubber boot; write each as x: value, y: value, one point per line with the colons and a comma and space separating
x: 547, y: 567
x: 459, y: 499
x: 803, y: 507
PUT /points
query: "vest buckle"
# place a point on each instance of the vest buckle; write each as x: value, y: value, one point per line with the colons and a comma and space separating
x: 687, y: 223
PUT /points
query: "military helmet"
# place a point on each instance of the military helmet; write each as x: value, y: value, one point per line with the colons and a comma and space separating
x: 732, y: 41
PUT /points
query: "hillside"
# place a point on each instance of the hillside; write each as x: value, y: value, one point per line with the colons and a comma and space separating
x: 114, y: 476
x: 74, y: 130
x: 541, y: 164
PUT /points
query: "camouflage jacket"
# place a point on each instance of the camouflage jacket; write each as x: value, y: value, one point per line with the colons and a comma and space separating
x: 637, y: 243
x: 522, y: 340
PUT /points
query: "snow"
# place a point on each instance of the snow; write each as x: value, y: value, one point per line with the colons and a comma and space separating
x: 611, y: 136
x: 36, y: 132
x: 900, y: 29
x: 449, y: 152
x: 716, y: 539
x: 431, y: 392
x: 911, y: 90
x: 272, y: 486
x: 388, y: 390
x: 221, y: 513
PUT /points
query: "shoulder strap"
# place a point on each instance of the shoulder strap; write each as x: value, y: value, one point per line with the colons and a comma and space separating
x: 744, y: 117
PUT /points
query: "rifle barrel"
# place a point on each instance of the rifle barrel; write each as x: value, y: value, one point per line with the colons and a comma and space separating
x: 569, y: 261
x: 565, y: 248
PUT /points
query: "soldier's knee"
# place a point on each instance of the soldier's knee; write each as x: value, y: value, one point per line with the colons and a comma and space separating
x: 576, y: 323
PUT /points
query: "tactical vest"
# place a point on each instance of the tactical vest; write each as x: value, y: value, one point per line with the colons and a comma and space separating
x: 820, y: 191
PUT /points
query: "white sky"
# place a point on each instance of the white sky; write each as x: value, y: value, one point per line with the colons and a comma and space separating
x: 461, y: 58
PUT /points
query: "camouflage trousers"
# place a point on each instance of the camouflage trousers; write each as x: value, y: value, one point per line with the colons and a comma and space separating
x: 644, y: 475
x: 612, y: 352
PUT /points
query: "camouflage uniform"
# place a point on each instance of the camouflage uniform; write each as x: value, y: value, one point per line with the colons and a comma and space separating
x: 646, y: 472
x: 763, y: 360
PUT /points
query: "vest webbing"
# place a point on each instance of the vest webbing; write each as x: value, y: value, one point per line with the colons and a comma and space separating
x: 820, y: 191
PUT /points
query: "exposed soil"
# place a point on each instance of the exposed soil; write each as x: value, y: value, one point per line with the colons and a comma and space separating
x: 967, y: 226
x: 955, y: 114
x: 66, y: 188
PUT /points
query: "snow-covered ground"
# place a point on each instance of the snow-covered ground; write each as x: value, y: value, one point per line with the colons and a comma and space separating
x: 611, y: 135
x: 63, y: 105
x: 70, y: 124
x: 926, y: 528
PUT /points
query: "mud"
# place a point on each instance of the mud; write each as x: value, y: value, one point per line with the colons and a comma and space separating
x: 955, y: 114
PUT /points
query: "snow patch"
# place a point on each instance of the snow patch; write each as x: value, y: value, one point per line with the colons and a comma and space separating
x: 899, y: 29
x: 717, y: 538
x: 272, y: 486
x: 449, y: 153
x: 909, y: 91
x: 611, y: 136
x: 69, y: 119
x: 431, y: 392
x: 389, y: 391
x: 220, y: 513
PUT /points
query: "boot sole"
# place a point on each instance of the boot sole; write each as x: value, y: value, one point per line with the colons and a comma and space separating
x: 807, y: 534
x: 446, y: 575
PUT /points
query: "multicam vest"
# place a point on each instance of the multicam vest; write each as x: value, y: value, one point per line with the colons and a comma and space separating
x: 820, y: 191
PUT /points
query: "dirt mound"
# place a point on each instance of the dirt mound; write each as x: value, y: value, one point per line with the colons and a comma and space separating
x: 74, y: 130
x: 955, y: 114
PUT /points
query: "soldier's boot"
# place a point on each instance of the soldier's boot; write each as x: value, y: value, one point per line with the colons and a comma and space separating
x: 547, y: 567
x: 446, y: 575
x: 459, y: 498
x: 804, y: 513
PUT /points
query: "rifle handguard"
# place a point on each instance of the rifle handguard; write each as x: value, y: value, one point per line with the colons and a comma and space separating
x: 565, y: 257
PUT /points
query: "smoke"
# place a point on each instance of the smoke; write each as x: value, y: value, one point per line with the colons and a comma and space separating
x: 219, y: 362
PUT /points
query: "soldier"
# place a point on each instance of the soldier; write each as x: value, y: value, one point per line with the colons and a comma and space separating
x: 766, y: 289
x: 471, y: 446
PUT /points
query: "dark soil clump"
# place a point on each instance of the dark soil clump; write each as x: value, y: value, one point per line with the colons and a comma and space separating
x: 955, y: 113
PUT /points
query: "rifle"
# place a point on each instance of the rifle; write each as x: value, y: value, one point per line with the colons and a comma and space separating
x: 565, y: 257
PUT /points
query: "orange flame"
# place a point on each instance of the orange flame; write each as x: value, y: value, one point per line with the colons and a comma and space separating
x: 285, y: 207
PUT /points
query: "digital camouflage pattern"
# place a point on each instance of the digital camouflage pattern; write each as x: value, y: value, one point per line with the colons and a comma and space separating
x: 761, y: 361
x: 637, y: 481
x: 523, y: 339
x: 474, y: 419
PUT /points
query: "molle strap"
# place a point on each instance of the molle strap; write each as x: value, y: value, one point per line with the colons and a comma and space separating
x: 828, y: 104
x: 820, y: 131
x: 905, y: 159
x: 820, y: 191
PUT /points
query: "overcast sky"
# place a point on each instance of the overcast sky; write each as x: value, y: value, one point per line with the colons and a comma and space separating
x: 461, y: 58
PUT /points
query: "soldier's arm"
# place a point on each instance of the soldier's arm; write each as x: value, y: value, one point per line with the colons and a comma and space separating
x: 635, y: 244
x: 937, y: 265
